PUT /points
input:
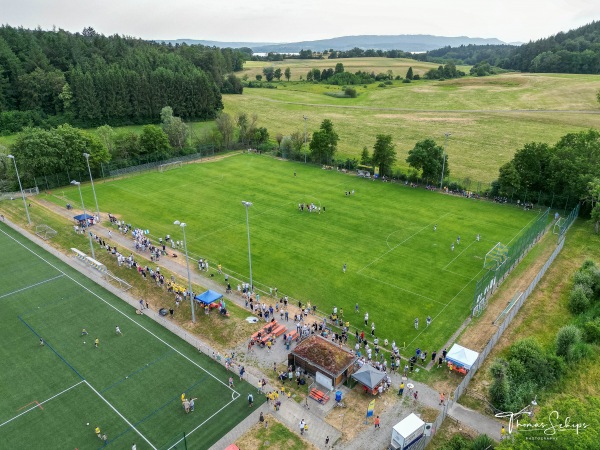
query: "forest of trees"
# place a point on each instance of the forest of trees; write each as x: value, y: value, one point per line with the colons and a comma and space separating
x: 87, y: 79
x: 576, y: 51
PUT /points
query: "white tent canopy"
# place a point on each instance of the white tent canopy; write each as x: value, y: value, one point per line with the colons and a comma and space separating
x: 462, y: 356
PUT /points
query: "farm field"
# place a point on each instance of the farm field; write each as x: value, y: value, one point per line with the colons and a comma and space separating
x: 398, y: 267
x: 129, y: 386
x: 489, y: 117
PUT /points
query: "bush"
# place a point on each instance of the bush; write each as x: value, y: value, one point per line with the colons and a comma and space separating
x: 583, y: 277
x: 566, y: 338
x: 388, y: 82
x: 482, y: 442
x: 458, y: 442
x: 406, y: 80
x: 416, y: 77
x: 578, y: 300
x: 381, y: 85
x: 350, y: 92
x: 591, y: 331
x: 580, y: 351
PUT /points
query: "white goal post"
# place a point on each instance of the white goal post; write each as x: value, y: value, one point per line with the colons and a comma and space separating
x: 169, y: 166
x: 45, y: 232
x: 496, y: 257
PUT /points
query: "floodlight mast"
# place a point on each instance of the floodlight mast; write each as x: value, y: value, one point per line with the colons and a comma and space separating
x: 187, y: 261
x: 87, y: 228
x: 248, y: 205
x: 87, y: 159
x: 21, y: 188
x: 305, y: 152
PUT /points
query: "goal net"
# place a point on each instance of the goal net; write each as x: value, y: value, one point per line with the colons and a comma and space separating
x: 495, y: 257
x: 169, y: 166
x: 45, y: 232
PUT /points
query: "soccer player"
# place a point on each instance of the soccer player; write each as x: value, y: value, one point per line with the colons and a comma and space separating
x: 366, y: 319
x: 118, y: 330
x: 416, y: 323
x: 84, y: 332
x: 458, y: 240
x: 435, y: 227
x: 478, y: 237
x: 96, y: 342
x: 98, y: 433
x: 41, y: 342
x: 344, y: 268
x: 452, y: 247
x: 428, y: 320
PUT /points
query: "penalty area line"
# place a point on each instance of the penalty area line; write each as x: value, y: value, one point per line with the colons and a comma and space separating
x: 207, y: 419
x: 32, y: 286
x: 39, y: 404
x: 119, y: 414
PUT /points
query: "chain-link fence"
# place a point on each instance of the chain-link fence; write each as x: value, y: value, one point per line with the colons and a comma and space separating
x: 490, y: 281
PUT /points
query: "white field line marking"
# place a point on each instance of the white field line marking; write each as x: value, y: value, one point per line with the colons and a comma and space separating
x: 458, y: 274
x: 402, y: 242
x: 119, y: 414
x: 447, y: 304
x: 31, y: 286
x: 120, y: 312
x: 402, y: 289
x: 200, y: 425
x: 41, y: 403
x: 458, y: 255
x: 526, y: 225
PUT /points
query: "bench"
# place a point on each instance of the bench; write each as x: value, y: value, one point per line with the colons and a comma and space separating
x: 278, y: 330
x: 319, y: 396
x: 262, y: 331
x: 295, y: 335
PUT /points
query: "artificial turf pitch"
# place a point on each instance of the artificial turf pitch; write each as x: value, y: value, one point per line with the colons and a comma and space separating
x: 130, y: 386
x: 398, y: 267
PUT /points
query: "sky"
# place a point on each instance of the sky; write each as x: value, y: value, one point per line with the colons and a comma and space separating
x: 294, y: 20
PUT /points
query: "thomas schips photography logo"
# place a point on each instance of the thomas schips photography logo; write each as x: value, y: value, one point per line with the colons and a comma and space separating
x: 542, y: 430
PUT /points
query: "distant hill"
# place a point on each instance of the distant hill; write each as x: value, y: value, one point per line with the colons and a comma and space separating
x: 405, y: 42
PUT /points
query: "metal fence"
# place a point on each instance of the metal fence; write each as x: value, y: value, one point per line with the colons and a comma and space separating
x: 490, y: 281
x: 462, y: 387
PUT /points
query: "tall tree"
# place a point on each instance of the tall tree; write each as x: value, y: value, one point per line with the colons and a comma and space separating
x: 594, y: 199
x: 154, y: 143
x: 269, y: 73
x: 174, y: 127
x: 409, y: 73
x: 384, y: 153
x: 323, y: 144
x: 288, y: 75
x: 429, y: 157
x: 224, y: 124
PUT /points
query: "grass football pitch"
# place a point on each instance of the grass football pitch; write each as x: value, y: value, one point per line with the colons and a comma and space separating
x: 130, y: 386
x: 398, y: 267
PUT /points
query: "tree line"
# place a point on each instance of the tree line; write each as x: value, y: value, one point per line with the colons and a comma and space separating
x: 87, y: 79
x: 576, y: 51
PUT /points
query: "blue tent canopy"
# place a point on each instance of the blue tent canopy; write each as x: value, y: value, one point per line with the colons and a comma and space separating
x: 81, y: 217
x: 208, y: 297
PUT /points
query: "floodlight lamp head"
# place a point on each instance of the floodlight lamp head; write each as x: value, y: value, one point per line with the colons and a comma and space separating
x: 76, y: 183
x: 10, y: 156
x: 86, y: 155
x: 177, y: 222
x: 246, y: 204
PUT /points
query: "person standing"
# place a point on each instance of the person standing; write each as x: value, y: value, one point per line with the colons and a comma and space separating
x: 96, y: 342
x: 444, y: 353
x: 377, y: 423
x: 231, y: 382
x: 344, y: 268
x: 416, y: 323
x: 433, y: 355
x: 118, y: 330
x: 442, y: 398
x: 502, y: 433
x: 250, y: 400
x: 356, y: 311
x: 326, y: 441
x: 373, y: 329
x: 401, y: 389
x: 41, y: 342
x: 192, y: 404
x: 428, y: 321
x: 366, y: 319
x: 302, y: 427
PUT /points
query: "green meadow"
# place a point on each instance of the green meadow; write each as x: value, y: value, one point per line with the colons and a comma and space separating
x: 398, y: 267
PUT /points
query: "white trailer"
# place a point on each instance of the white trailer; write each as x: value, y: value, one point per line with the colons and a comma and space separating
x: 407, y: 433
